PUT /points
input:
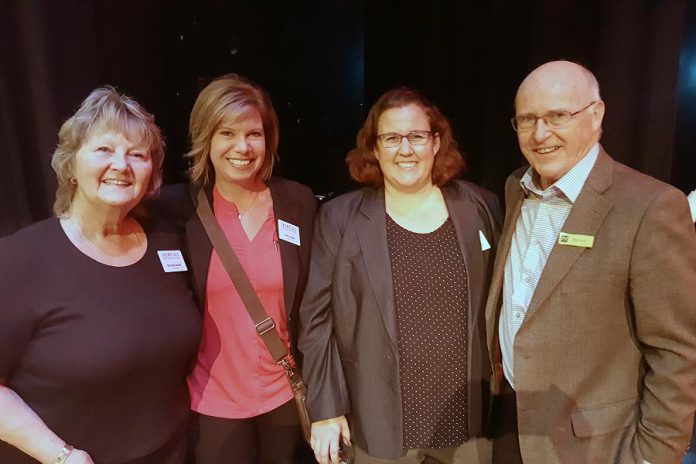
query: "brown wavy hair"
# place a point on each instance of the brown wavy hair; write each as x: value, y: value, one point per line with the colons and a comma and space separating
x: 230, y: 95
x: 362, y: 163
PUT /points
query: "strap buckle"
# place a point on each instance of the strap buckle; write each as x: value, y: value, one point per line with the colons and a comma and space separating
x: 265, y: 326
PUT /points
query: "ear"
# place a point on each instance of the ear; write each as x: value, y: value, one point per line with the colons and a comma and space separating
x: 436, y: 143
x: 598, y: 115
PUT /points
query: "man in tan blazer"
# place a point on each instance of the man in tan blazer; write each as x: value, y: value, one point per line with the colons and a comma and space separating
x: 591, y: 316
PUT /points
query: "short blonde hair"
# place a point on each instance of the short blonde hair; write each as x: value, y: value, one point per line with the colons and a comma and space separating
x: 231, y: 96
x: 104, y: 109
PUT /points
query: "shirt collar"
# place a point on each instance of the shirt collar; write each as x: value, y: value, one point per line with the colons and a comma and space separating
x: 570, y: 184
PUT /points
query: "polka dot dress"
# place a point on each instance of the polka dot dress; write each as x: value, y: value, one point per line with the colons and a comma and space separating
x: 430, y: 291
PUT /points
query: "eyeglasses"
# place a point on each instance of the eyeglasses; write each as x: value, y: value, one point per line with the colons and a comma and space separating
x: 553, y: 119
x: 416, y: 138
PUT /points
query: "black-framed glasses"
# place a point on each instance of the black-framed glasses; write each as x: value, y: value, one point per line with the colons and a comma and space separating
x: 553, y: 119
x: 416, y: 138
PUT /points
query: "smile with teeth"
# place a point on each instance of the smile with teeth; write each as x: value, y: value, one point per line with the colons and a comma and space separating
x: 116, y: 182
x: 406, y: 164
x: 545, y: 150
x: 239, y: 162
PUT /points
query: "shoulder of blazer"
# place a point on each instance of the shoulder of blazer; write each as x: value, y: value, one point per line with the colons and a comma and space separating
x: 280, y: 184
x: 174, y: 203
x: 477, y: 194
x: 341, y: 209
x: 627, y: 185
x: 294, y: 201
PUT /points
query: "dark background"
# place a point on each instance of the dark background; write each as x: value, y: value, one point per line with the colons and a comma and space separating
x: 325, y: 62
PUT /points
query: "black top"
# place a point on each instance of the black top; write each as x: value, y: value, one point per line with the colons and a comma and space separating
x: 100, y: 353
x: 430, y: 295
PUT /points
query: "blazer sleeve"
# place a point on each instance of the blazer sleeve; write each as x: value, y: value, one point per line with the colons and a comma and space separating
x: 663, y: 295
x: 327, y: 394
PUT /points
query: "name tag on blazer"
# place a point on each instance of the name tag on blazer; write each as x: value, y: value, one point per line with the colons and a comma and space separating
x: 576, y: 240
x: 288, y: 232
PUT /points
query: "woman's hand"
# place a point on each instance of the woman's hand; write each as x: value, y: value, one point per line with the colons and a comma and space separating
x: 79, y: 457
x: 326, y: 437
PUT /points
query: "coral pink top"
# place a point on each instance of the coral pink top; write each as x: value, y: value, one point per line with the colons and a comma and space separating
x: 235, y: 376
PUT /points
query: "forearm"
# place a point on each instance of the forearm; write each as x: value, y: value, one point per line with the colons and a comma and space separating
x: 23, y: 429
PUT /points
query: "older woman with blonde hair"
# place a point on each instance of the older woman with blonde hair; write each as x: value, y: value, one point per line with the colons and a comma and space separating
x: 243, y: 405
x: 97, y: 333
x: 392, y: 323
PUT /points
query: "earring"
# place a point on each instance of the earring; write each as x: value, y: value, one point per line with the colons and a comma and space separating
x: 73, y: 181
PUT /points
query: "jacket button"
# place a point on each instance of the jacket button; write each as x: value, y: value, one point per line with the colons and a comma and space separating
x: 388, y: 356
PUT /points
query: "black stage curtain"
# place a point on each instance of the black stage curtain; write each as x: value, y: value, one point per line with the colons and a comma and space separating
x: 325, y: 62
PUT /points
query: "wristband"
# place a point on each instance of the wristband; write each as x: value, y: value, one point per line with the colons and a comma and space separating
x: 63, y: 455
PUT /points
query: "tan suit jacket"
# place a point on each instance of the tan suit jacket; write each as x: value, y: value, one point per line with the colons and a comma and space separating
x: 605, y: 360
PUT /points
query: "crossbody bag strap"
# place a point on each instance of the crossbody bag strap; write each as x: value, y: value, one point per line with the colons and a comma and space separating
x: 265, y: 326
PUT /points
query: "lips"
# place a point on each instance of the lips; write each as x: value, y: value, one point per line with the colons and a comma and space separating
x: 546, y: 150
x: 116, y: 182
x: 239, y: 162
x: 406, y: 164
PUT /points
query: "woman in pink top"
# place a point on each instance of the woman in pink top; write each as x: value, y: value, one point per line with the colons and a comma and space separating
x: 243, y: 407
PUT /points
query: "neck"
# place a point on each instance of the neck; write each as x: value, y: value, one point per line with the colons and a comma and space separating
x: 409, y: 200
x: 239, y: 193
x: 100, y: 222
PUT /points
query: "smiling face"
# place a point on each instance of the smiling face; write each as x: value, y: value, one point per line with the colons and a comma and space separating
x: 406, y: 168
x: 111, y: 171
x: 238, y: 149
x: 558, y: 86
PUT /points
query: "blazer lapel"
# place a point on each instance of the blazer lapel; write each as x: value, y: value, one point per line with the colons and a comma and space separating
x: 467, y: 224
x: 372, y: 234
x: 585, y: 218
x: 283, y: 210
x: 513, y: 199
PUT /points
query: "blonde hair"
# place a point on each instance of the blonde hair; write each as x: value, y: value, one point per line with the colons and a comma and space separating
x: 228, y: 96
x: 104, y: 109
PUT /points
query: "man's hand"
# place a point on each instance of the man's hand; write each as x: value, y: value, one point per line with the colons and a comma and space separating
x: 326, y: 436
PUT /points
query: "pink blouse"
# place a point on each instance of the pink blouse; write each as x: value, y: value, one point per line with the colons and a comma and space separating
x: 235, y: 376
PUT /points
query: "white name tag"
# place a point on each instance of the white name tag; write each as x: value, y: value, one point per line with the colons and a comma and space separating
x: 484, y: 243
x: 288, y: 232
x: 172, y: 260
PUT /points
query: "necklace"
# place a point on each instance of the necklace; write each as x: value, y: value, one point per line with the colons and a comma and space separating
x: 240, y: 215
x: 91, y: 246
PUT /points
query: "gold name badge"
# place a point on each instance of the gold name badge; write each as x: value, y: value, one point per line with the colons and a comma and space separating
x: 576, y: 240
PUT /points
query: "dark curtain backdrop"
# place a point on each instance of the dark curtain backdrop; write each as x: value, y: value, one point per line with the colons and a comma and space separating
x: 325, y: 62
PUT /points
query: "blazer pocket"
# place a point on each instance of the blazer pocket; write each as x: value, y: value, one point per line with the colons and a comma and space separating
x: 588, y: 422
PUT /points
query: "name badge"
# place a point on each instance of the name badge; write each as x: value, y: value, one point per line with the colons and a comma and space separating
x: 288, y: 232
x: 484, y: 243
x: 172, y: 260
x: 576, y: 240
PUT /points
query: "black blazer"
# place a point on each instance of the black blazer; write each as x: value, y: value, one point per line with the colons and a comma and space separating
x: 292, y: 202
x: 348, y: 322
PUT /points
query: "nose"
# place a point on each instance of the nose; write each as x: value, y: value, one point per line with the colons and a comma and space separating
x: 120, y: 160
x: 405, y: 147
x: 241, y: 145
x: 541, y: 130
